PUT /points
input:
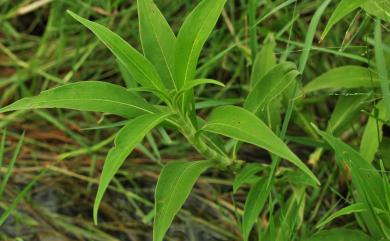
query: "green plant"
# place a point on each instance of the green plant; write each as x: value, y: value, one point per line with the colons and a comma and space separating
x: 167, y: 69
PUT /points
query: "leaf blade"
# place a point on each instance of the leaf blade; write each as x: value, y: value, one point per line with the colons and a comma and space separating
x: 87, y: 96
x: 158, y: 40
x: 125, y: 141
x: 173, y: 187
x: 240, y: 124
x: 142, y: 70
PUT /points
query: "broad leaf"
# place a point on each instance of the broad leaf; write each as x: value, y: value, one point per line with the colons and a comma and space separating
x: 253, y: 205
x: 344, y: 8
x: 87, y: 96
x: 339, y: 235
x: 347, y: 77
x: 173, y: 187
x: 140, y: 68
x: 158, y: 40
x: 192, y: 36
x: 246, y: 175
x: 242, y: 125
x: 125, y: 141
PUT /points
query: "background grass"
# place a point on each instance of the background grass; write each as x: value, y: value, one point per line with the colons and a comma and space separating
x: 41, y: 47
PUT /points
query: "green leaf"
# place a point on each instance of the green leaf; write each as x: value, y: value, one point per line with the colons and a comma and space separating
x: 353, y: 208
x: 270, y: 86
x: 347, y: 77
x: 378, y: 8
x: 158, y: 41
x: 344, y: 8
x: 254, y: 203
x: 246, y: 175
x: 340, y: 235
x: 173, y: 188
x: 242, y: 125
x: 366, y: 180
x: 192, y: 36
x: 381, y: 65
x: 373, y: 133
x: 346, y: 109
x: 87, y: 96
x: 265, y: 60
x: 140, y: 68
x: 125, y: 141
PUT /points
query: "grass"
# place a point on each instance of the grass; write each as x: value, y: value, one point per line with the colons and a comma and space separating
x: 50, y: 186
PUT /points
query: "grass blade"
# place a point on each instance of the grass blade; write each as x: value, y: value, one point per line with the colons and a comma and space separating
x: 346, y: 77
x: 353, y: 208
x: 381, y: 65
x: 344, y: 8
x: 11, y: 165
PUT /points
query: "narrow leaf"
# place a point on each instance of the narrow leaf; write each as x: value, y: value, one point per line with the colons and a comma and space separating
x: 192, y: 36
x: 373, y: 132
x: 270, y: 87
x: 140, y: 68
x: 87, y: 96
x: 158, y: 40
x: 346, y: 109
x: 125, y: 141
x: 353, y: 208
x: 346, y: 77
x: 265, y: 60
x: 344, y: 8
x: 253, y: 205
x: 173, y: 188
x: 381, y: 65
x: 240, y: 124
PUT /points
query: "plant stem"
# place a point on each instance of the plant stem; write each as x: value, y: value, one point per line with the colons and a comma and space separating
x: 198, y: 141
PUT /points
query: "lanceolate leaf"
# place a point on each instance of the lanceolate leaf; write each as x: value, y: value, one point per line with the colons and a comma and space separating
x: 192, y: 36
x: 373, y: 133
x: 126, y: 140
x: 87, y: 96
x: 173, y: 187
x: 141, y: 69
x: 344, y: 8
x: 242, y: 125
x: 270, y: 86
x: 353, y: 208
x: 158, y: 40
x: 365, y: 179
x: 265, y: 60
x: 348, y: 77
x: 253, y: 205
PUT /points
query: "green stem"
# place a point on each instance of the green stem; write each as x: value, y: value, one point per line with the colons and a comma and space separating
x: 198, y: 141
